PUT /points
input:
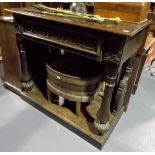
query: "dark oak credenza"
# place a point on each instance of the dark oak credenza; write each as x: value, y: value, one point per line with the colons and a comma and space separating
x: 116, y: 47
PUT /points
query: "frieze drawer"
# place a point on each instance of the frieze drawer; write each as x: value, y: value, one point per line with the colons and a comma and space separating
x: 83, y: 42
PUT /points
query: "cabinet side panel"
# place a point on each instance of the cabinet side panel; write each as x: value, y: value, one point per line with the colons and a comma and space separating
x: 10, y: 54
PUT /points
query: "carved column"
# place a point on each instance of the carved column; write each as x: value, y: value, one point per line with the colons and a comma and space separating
x: 122, y: 88
x: 101, y: 122
x: 26, y: 80
x: 131, y: 82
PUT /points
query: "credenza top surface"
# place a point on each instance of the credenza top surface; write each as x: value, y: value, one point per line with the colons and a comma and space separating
x: 122, y: 28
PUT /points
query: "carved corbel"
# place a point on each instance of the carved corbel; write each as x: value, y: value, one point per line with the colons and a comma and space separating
x: 18, y: 28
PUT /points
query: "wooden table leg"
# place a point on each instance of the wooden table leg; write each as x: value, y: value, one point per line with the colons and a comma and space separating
x: 26, y: 81
x: 122, y: 88
x: 131, y: 82
x: 49, y: 94
x: 78, y: 108
x: 139, y: 72
x: 101, y: 123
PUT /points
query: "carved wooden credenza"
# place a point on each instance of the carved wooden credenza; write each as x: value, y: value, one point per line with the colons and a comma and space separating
x: 115, y: 47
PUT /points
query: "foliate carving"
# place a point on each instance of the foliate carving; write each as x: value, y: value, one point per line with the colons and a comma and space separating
x: 113, y: 47
x: 18, y: 29
x: 111, y: 58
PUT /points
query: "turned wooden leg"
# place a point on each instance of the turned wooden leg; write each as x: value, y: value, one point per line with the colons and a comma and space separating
x: 130, y: 85
x: 26, y: 78
x: 78, y: 108
x: 49, y: 95
x: 139, y: 71
x: 26, y: 81
x: 122, y: 88
x: 101, y: 122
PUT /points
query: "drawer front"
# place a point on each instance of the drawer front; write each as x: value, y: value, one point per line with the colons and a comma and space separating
x: 76, y: 39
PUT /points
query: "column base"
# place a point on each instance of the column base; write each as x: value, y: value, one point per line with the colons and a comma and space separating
x: 27, y: 86
x: 101, y: 127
